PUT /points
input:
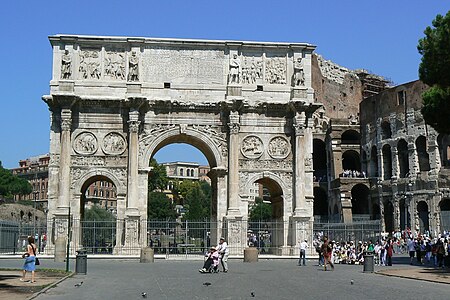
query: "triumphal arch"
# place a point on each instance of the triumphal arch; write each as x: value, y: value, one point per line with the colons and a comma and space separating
x: 248, y: 106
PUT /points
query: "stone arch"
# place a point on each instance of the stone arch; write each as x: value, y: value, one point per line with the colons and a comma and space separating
x: 360, y: 200
x: 96, y: 173
x: 386, y: 132
x: 423, y: 213
x: 351, y: 160
x: 320, y: 202
x: 387, y: 162
x: 277, y: 188
x: 189, y: 136
x: 422, y: 154
x: 403, y: 158
x: 351, y: 136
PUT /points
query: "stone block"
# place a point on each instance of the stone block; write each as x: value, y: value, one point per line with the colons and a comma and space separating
x: 60, y: 249
x: 251, y: 254
x: 147, y: 255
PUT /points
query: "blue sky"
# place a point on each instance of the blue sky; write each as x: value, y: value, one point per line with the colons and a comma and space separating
x: 380, y: 36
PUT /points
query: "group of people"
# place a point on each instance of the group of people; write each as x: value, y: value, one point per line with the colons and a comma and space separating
x: 353, y: 174
x: 431, y: 251
x: 216, y: 256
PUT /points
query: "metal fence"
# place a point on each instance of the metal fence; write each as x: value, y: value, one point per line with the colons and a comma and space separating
x: 174, y: 238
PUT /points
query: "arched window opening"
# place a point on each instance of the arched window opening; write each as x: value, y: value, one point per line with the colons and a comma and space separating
x: 422, y: 154
x: 351, y: 137
x: 403, y: 158
x: 387, y: 162
x: 374, y: 162
x: 386, y: 132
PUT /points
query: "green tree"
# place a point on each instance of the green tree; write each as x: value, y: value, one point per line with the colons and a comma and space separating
x: 260, y: 211
x: 434, y: 70
x: 158, y: 177
x: 196, y: 197
x: 96, y: 213
x: 159, y: 207
x: 11, y: 185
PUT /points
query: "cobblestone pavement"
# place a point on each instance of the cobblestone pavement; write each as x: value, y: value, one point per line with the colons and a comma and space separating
x: 266, y: 279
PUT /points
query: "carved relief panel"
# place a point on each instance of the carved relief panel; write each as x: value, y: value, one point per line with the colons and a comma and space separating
x: 276, y: 70
x: 252, y: 70
x: 85, y: 143
x: 114, y: 144
x: 89, y: 65
x: 279, y: 147
x: 252, y: 147
x: 114, y: 65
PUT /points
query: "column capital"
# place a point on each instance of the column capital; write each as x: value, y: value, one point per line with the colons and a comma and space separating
x: 299, y: 123
x: 66, y: 119
x: 233, y: 123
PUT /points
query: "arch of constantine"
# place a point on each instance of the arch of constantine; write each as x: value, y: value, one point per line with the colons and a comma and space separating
x: 247, y: 106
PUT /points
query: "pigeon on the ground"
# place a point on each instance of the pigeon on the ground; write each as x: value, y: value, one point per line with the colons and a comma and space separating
x: 207, y: 283
x: 253, y: 294
x: 78, y: 284
x: 144, y: 295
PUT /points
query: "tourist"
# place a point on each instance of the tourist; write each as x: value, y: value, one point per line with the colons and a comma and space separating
x: 30, y: 260
x: 327, y: 251
x: 411, y: 250
x: 389, y: 252
x: 222, y: 248
x: 303, y: 247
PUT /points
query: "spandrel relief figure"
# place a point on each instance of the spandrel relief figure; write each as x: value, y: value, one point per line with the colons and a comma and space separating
x: 133, y: 64
x: 252, y: 147
x: 234, y: 69
x: 299, y: 73
x: 66, y: 65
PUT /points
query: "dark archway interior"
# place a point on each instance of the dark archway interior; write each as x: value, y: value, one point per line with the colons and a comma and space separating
x: 389, y: 216
x: 386, y: 130
x: 422, y: 209
x: 360, y: 199
x: 351, y: 137
x: 404, y: 222
x: 445, y: 204
x: 351, y: 160
x: 387, y: 162
x: 376, y: 212
x: 403, y: 158
x: 422, y: 154
x: 320, y: 202
x: 374, y: 161
x: 319, y: 160
x: 444, y: 149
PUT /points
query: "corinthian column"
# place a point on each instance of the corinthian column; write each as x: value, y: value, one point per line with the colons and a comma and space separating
x: 233, y: 165
x: 299, y: 164
x: 133, y: 147
x: 64, y: 164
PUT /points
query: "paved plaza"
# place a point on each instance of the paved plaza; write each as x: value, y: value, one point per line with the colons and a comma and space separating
x: 266, y: 279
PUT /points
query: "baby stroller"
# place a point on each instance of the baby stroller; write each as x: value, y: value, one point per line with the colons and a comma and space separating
x: 212, y: 262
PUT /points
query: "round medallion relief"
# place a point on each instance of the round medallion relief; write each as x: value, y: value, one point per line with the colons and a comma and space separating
x: 252, y: 147
x: 113, y: 143
x: 85, y: 143
x: 279, y: 147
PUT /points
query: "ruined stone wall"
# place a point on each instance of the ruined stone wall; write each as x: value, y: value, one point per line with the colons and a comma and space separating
x: 21, y: 213
x: 337, y: 88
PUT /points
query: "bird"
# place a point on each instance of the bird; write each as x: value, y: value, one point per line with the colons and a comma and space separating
x: 351, y: 281
x: 144, y: 295
x: 207, y: 283
x: 78, y: 284
x: 253, y: 294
